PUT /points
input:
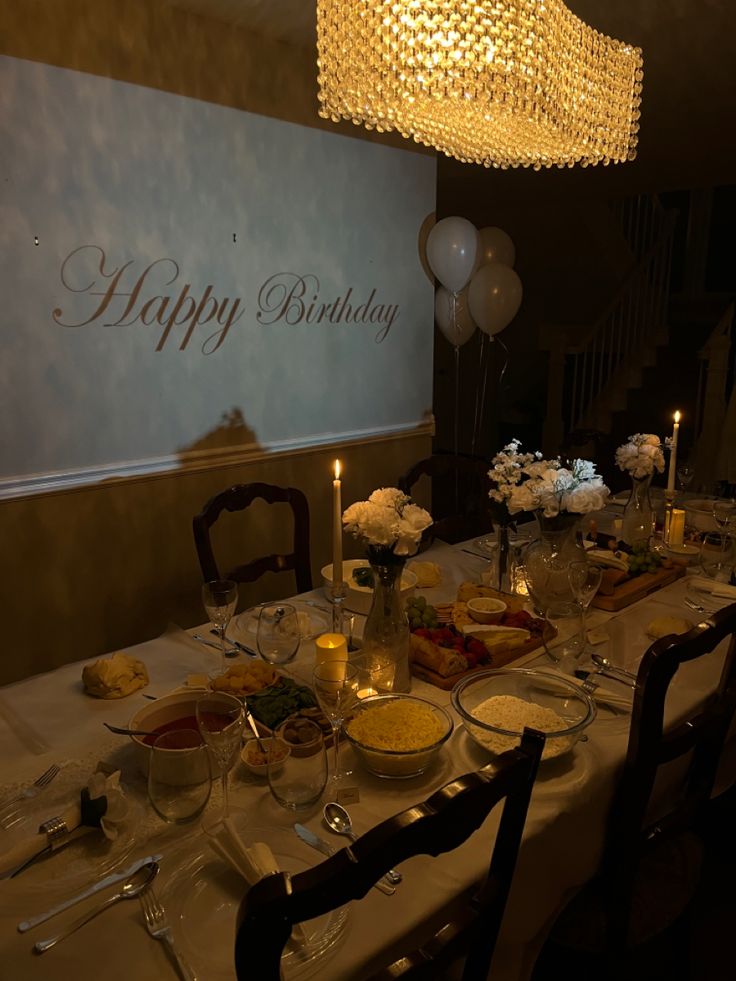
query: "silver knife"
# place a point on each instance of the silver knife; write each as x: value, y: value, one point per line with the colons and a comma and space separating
x: 110, y: 880
x: 310, y: 838
x: 236, y: 643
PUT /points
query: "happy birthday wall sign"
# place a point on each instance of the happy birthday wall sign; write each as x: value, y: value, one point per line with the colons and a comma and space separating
x: 127, y: 295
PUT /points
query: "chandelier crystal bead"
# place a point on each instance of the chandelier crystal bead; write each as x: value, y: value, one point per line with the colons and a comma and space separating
x: 503, y: 83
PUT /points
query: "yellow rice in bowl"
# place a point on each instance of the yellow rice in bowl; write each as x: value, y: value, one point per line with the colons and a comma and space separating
x: 398, y: 735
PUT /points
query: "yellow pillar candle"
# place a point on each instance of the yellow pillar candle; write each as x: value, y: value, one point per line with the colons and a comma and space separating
x: 673, y: 453
x: 330, y: 647
x: 677, y: 528
x: 337, y: 527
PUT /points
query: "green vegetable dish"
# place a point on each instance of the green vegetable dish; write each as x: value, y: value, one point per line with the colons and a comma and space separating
x: 276, y: 703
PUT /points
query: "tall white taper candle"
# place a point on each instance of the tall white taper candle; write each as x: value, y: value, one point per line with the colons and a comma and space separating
x: 337, y: 527
x: 673, y: 454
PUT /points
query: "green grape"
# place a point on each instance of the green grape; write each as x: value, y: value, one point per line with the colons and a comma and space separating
x: 420, y: 602
x: 415, y: 622
x: 428, y: 616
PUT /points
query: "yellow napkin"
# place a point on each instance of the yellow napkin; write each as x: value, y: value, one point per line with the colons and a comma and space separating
x: 115, y: 816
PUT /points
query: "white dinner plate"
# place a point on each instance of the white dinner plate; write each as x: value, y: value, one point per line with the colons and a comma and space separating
x: 312, y: 622
x: 202, y: 899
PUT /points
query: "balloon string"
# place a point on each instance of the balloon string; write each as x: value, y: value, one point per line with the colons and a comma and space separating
x: 505, y: 365
x: 484, y: 373
x: 476, y: 420
x: 457, y: 423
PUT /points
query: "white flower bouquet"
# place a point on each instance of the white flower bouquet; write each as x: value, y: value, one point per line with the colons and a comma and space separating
x: 641, y: 456
x: 508, y: 471
x: 388, y: 522
x: 527, y: 482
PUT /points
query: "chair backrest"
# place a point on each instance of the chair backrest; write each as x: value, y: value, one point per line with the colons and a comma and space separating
x: 440, y: 824
x: 460, y: 502
x: 695, y: 740
x: 238, y: 498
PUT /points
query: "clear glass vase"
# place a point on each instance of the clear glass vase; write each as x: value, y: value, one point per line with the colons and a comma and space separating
x: 385, y: 649
x: 638, y: 513
x: 547, y: 560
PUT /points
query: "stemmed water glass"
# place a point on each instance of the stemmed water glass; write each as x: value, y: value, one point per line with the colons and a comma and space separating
x: 584, y: 579
x: 278, y: 633
x: 220, y: 598
x: 220, y: 719
x: 336, y: 688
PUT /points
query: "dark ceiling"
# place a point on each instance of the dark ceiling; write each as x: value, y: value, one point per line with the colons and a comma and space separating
x: 687, y: 137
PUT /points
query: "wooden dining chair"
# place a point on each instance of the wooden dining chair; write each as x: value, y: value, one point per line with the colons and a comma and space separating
x: 460, y: 502
x: 238, y: 498
x: 652, y: 856
x: 440, y: 824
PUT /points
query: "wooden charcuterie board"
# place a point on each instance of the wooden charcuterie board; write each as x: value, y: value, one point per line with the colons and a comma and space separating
x: 637, y: 588
x: 500, y: 659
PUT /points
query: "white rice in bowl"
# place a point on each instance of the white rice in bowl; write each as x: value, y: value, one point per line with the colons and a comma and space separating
x: 514, y: 714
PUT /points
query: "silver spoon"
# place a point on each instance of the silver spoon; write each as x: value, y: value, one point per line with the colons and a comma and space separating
x: 603, y: 662
x: 338, y: 819
x: 122, y: 731
x: 132, y: 887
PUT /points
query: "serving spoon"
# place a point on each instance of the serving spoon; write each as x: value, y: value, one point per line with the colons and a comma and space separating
x: 122, y: 731
x: 338, y: 819
x: 131, y: 888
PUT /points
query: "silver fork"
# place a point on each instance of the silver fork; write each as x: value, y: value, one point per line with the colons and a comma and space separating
x: 697, y: 607
x: 157, y: 925
x: 34, y: 790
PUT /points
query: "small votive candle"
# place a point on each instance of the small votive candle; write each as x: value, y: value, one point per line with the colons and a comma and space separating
x: 367, y: 692
x: 331, y: 647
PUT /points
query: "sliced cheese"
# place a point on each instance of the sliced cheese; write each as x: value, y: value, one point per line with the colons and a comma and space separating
x: 495, y: 632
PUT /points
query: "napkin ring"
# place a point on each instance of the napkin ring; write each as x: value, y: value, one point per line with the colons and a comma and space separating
x: 55, y: 830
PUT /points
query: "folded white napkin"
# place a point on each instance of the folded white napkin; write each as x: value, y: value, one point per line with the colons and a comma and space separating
x: 605, y: 557
x: 114, y: 814
x: 603, y: 694
x: 722, y: 590
x: 253, y: 862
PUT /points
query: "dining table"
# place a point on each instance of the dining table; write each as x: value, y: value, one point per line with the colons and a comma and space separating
x: 48, y: 719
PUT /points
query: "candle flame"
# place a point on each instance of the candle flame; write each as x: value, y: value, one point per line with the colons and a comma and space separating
x: 677, y: 416
x: 337, y: 469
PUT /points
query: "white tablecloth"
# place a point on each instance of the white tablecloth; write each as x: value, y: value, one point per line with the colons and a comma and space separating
x: 562, y: 842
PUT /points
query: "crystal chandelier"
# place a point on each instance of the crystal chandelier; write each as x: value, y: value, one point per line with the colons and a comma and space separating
x: 503, y: 83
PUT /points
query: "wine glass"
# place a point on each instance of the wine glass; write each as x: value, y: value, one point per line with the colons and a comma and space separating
x: 220, y: 597
x: 717, y: 556
x: 297, y: 781
x: 179, y: 776
x: 220, y: 719
x: 685, y: 473
x: 336, y: 688
x: 584, y: 579
x: 724, y: 513
x: 278, y: 633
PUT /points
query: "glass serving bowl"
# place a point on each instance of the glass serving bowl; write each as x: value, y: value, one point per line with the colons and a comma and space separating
x: 399, y: 763
x: 497, y: 725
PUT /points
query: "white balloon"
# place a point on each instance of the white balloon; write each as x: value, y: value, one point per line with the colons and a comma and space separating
x: 453, y: 316
x: 426, y: 227
x: 494, y: 297
x: 452, y: 247
x: 494, y: 245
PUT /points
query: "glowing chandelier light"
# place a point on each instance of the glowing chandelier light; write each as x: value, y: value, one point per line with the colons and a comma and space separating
x: 503, y: 83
